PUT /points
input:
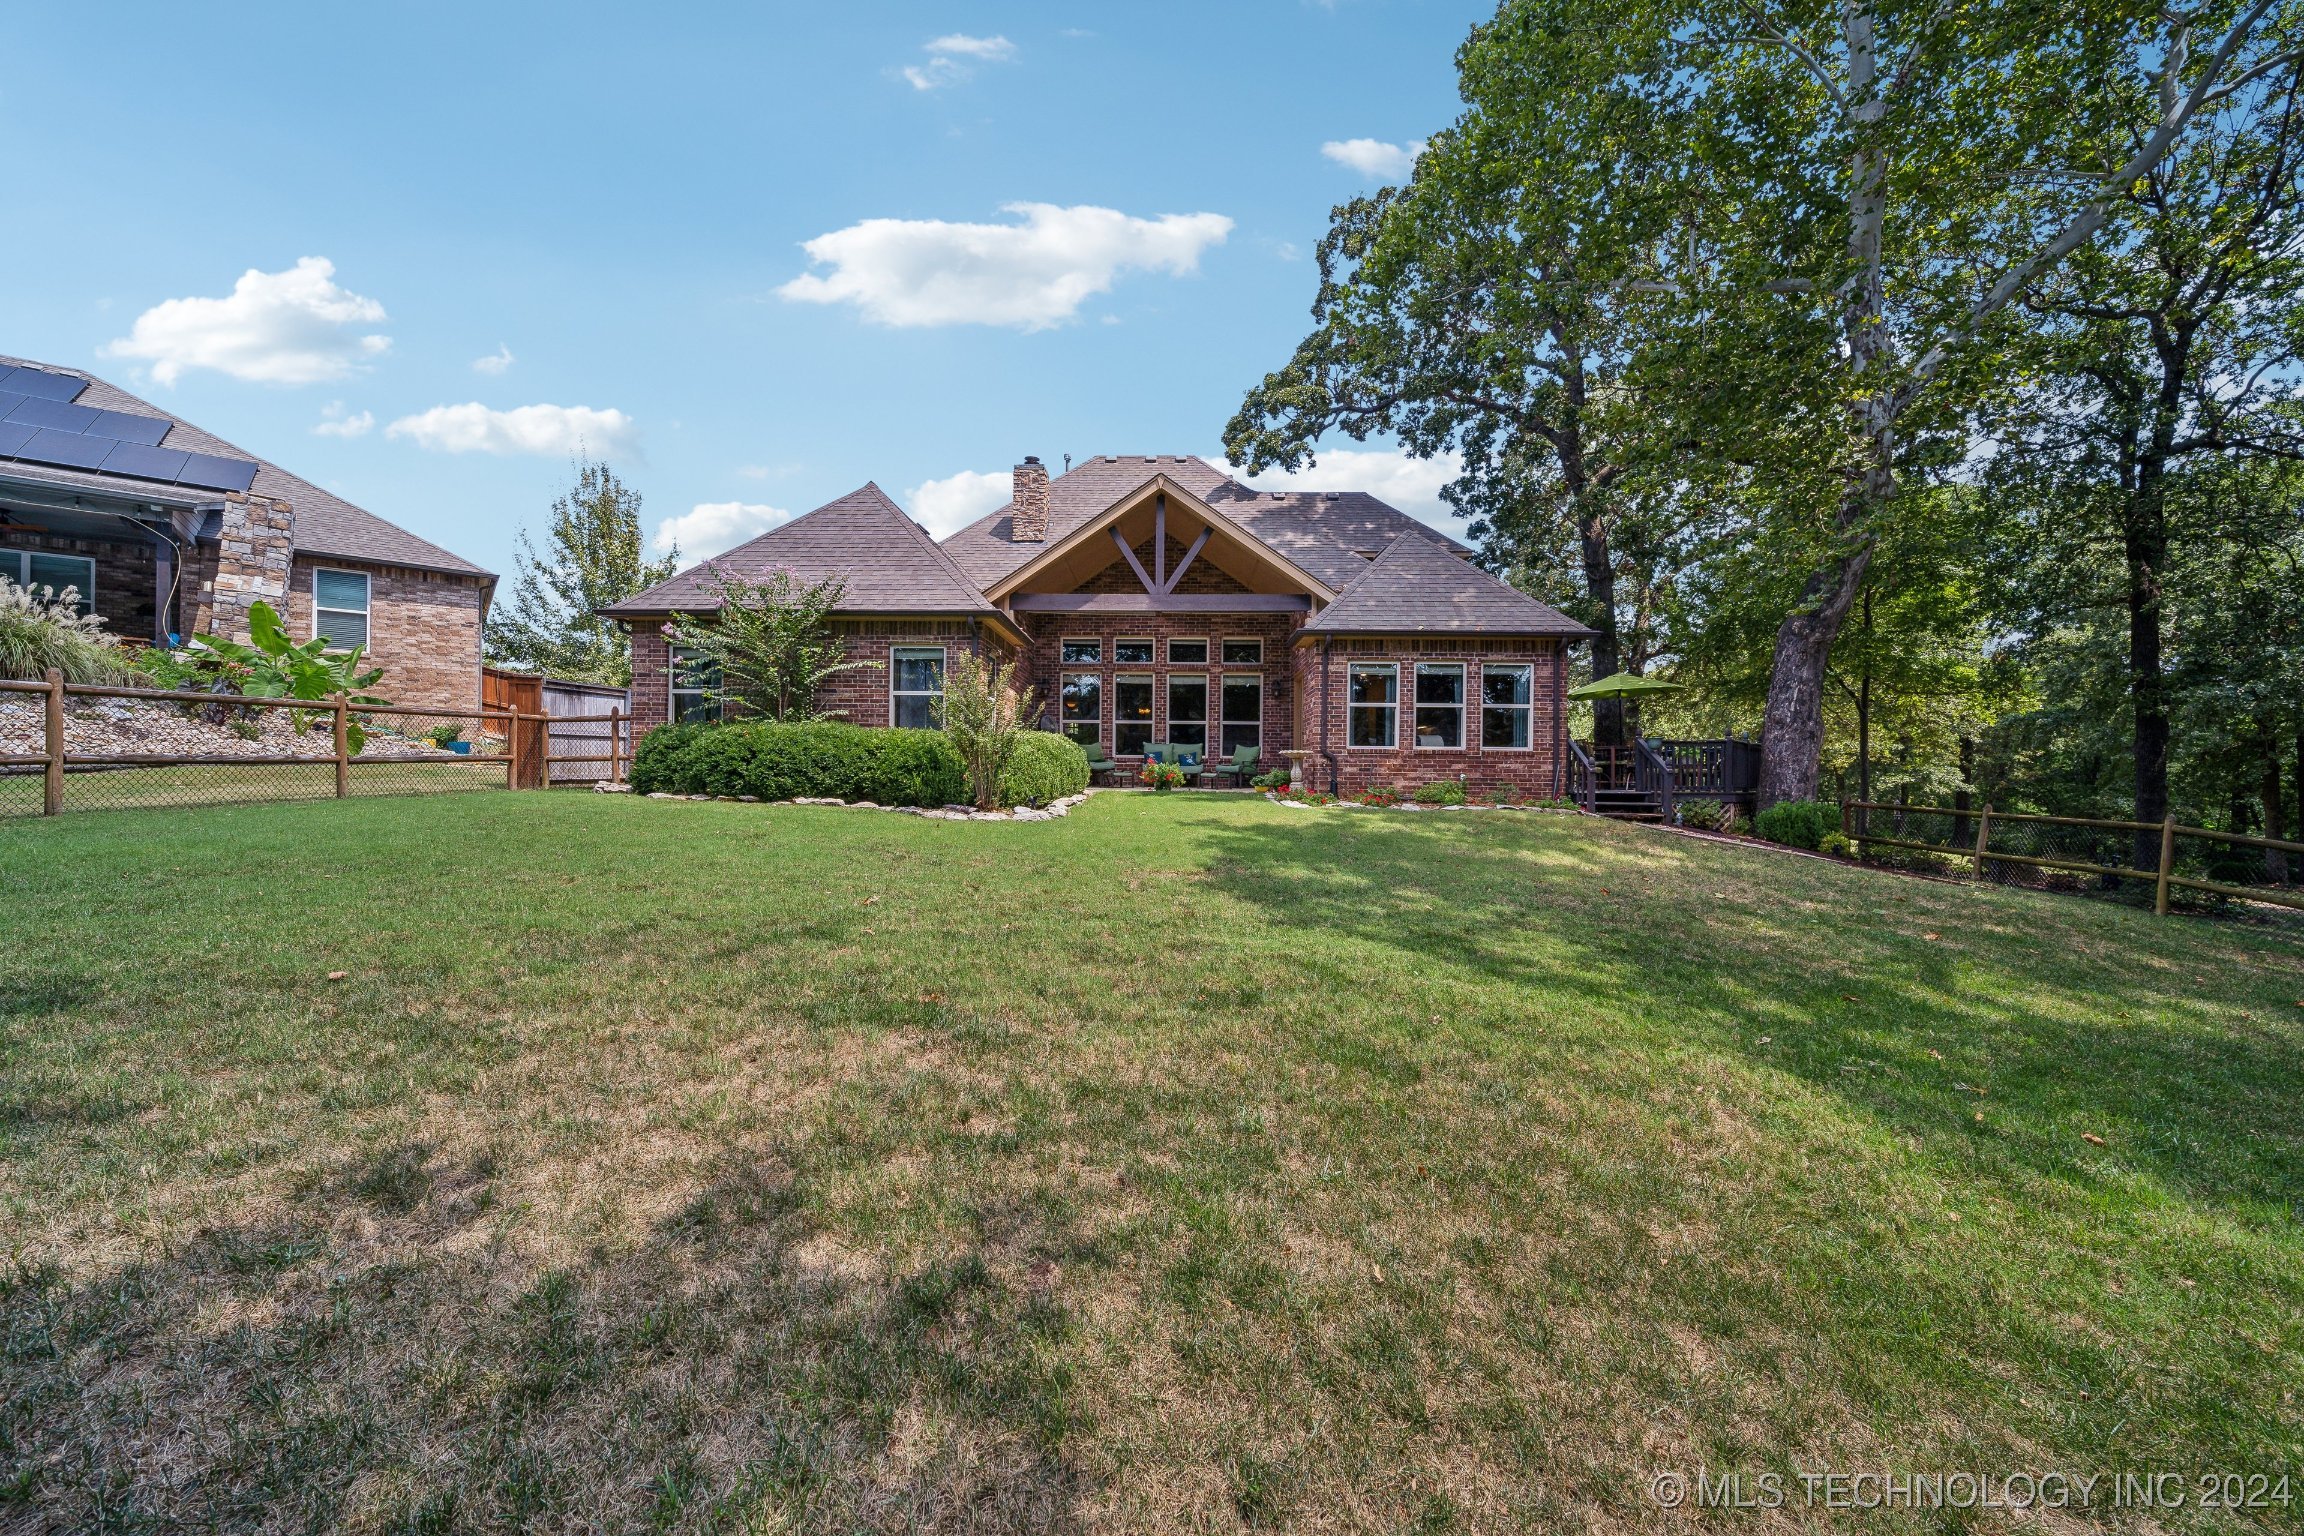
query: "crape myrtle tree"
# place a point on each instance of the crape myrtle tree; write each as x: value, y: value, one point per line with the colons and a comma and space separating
x: 1483, y: 310
x: 550, y: 622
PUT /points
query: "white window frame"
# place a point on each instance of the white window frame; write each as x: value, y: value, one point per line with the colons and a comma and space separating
x: 1094, y: 642
x: 1151, y: 725
x: 1463, y: 699
x: 1167, y: 698
x: 896, y: 653
x: 1391, y: 743
x: 1199, y: 640
x: 16, y: 565
x: 1224, y: 721
x: 367, y: 614
x: 1064, y: 722
x: 673, y: 692
x: 1527, y: 711
x: 1151, y: 650
x: 1256, y: 660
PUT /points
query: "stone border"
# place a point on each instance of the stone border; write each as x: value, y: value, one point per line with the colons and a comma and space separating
x: 1049, y: 812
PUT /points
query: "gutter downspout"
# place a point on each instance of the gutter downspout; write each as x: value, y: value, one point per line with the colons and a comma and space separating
x: 1335, y: 778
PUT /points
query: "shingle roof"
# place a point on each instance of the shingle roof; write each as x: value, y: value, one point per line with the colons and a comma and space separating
x: 1420, y: 586
x: 326, y: 524
x: 888, y: 561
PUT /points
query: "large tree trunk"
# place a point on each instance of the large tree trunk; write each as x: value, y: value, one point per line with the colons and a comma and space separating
x: 1607, y: 651
x: 2144, y: 544
x: 1792, y: 727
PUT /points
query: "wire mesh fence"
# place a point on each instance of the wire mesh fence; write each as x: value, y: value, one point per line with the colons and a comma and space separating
x: 67, y: 747
x: 2160, y: 864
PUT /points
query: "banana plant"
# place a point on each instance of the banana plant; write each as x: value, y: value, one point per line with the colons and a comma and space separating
x: 272, y: 666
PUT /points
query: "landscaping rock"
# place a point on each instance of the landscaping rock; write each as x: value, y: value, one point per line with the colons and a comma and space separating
x: 99, y: 726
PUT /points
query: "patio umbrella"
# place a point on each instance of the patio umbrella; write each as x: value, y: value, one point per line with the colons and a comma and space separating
x: 1622, y: 684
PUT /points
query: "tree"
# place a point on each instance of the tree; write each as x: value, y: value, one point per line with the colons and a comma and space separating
x: 551, y: 622
x: 770, y: 644
x: 983, y: 715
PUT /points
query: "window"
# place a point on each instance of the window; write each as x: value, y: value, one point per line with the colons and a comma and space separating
x: 1188, y: 711
x: 1505, y: 693
x: 1187, y: 653
x: 1131, y: 715
x: 1132, y: 653
x: 915, y: 685
x: 1243, y: 653
x: 1440, y: 704
x: 1243, y: 702
x: 694, y: 679
x: 1373, y: 704
x: 32, y: 568
x: 1084, y: 708
x: 340, y: 608
x: 1083, y: 652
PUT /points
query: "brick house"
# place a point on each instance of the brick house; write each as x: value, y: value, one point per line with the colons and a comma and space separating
x: 1158, y: 599
x: 167, y: 532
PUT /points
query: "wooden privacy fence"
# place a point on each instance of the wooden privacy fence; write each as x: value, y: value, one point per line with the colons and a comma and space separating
x: 218, y: 747
x: 2084, y: 853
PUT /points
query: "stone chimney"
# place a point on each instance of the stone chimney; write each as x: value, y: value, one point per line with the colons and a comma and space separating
x: 1028, y: 519
x: 253, y: 548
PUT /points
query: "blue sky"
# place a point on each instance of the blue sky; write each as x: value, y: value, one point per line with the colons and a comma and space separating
x: 1037, y: 229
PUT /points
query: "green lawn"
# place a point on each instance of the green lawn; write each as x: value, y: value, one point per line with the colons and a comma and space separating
x: 1190, y: 1164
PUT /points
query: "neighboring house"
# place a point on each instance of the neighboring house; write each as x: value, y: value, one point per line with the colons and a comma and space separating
x: 168, y: 532
x: 1157, y: 599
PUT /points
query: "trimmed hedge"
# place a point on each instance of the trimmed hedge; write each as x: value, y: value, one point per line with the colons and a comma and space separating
x: 1798, y: 823
x: 785, y: 762
x: 1046, y: 767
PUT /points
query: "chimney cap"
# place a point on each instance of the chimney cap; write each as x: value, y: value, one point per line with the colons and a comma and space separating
x: 1031, y: 458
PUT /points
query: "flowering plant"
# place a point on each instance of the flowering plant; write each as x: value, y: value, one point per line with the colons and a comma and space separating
x: 1160, y: 774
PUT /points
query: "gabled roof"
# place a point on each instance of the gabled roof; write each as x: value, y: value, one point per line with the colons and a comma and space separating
x: 1050, y: 552
x: 1418, y: 585
x: 889, y: 562
x: 326, y: 524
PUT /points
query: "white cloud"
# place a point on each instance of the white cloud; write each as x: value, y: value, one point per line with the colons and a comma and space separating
x: 1412, y: 485
x: 714, y: 527
x: 953, y: 57
x: 495, y: 362
x: 1374, y: 157
x: 1031, y: 275
x: 554, y: 429
x: 335, y: 423
x: 292, y: 327
x: 946, y: 506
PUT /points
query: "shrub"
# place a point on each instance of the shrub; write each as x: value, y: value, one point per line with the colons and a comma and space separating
x: 1043, y: 767
x: 1380, y: 794
x: 983, y: 714
x: 1707, y: 815
x: 42, y: 628
x: 1837, y: 845
x: 1276, y: 779
x: 783, y: 762
x: 1798, y: 823
x: 1440, y: 792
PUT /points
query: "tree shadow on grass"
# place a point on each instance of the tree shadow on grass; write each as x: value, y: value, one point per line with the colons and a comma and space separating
x: 1866, y: 1008
x: 378, y: 1356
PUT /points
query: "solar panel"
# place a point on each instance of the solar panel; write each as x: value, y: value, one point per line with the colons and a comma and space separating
x: 216, y: 473
x: 130, y: 428
x: 13, y: 437
x: 39, y: 412
x: 48, y: 386
x: 69, y: 449
x: 145, y: 462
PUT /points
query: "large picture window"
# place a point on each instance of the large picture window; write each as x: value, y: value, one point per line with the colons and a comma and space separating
x: 340, y: 608
x: 1188, y: 710
x: 1373, y: 695
x: 1084, y: 708
x: 1131, y: 715
x: 1506, y: 693
x: 37, y: 568
x: 1440, y: 704
x: 1242, y: 698
x: 915, y: 685
x: 695, y: 677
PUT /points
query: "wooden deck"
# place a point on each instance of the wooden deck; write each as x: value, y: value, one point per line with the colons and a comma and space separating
x: 1646, y: 780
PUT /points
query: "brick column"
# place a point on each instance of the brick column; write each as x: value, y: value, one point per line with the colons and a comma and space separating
x: 254, y: 550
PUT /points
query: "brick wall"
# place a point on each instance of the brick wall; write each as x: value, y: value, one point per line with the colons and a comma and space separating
x: 423, y: 629
x: 124, y: 570
x: 859, y: 696
x: 1405, y: 765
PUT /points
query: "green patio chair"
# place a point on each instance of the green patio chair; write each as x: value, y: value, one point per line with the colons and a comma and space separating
x: 1239, y: 768
x: 1098, y: 763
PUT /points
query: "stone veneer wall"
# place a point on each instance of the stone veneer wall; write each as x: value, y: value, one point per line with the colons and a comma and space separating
x: 423, y: 629
x: 255, y: 548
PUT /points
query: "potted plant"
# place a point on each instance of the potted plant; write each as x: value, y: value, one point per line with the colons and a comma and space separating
x: 1161, y: 774
x: 448, y: 738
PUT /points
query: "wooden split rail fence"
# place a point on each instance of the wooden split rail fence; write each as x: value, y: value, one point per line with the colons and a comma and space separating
x: 2279, y: 863
x: 509, y: 749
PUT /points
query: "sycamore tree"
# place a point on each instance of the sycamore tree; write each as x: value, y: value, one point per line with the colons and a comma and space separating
x: 550, y: 622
